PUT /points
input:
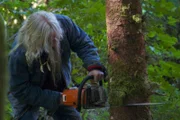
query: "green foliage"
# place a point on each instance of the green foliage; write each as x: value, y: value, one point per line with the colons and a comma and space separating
x: 162, y: 39
x: 96, y: 114
x: 8, y: 112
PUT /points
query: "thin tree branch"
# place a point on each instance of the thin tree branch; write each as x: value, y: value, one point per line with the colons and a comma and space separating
x: 12, y: 37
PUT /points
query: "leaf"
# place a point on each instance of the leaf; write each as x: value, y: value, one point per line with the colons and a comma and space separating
x: 170, y: 69
x: 151, y: 34
x: 171, y: 20
x: 177, y: 54
x: 166, y: 40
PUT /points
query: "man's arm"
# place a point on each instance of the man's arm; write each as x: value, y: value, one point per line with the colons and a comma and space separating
x: 81, y: 44
x: 23, y: 90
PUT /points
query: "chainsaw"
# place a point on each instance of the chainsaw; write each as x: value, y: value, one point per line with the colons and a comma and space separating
x: 88, y: 96
x: 92, y: 96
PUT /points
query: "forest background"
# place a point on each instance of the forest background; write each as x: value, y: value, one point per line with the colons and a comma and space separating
x: 161, y: 28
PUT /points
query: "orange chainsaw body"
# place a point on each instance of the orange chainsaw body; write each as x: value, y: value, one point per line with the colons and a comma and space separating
x: 86, y: 96
x: 70, y: 97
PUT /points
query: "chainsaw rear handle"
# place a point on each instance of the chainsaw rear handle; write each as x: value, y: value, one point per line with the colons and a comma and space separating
x: 80, y: 90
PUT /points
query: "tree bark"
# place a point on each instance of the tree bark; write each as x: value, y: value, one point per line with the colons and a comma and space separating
x: 2, y: 67
x: 126, y: 54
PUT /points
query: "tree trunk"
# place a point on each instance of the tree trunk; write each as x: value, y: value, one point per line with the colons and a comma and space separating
x: 2, y: 67
x: 126, y: 54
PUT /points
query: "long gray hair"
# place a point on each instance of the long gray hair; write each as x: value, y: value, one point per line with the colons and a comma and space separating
x: 41, y: 32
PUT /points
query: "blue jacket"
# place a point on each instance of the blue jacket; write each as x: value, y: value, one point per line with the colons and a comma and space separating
x: 25, y: 85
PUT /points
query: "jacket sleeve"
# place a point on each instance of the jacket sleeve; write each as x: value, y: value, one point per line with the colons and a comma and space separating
x: 81, y: 44
x: 22, y: 89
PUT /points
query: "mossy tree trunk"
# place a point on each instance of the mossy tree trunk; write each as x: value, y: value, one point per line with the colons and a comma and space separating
x: 126, y: 49
x: 2, y: 67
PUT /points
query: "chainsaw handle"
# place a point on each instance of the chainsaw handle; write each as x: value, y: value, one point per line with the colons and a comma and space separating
x: 80, y: 90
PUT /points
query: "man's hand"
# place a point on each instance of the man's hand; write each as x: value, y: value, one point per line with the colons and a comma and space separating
x: 98, y: 75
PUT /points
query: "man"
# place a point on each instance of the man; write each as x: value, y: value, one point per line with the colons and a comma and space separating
x: 39, y: 65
